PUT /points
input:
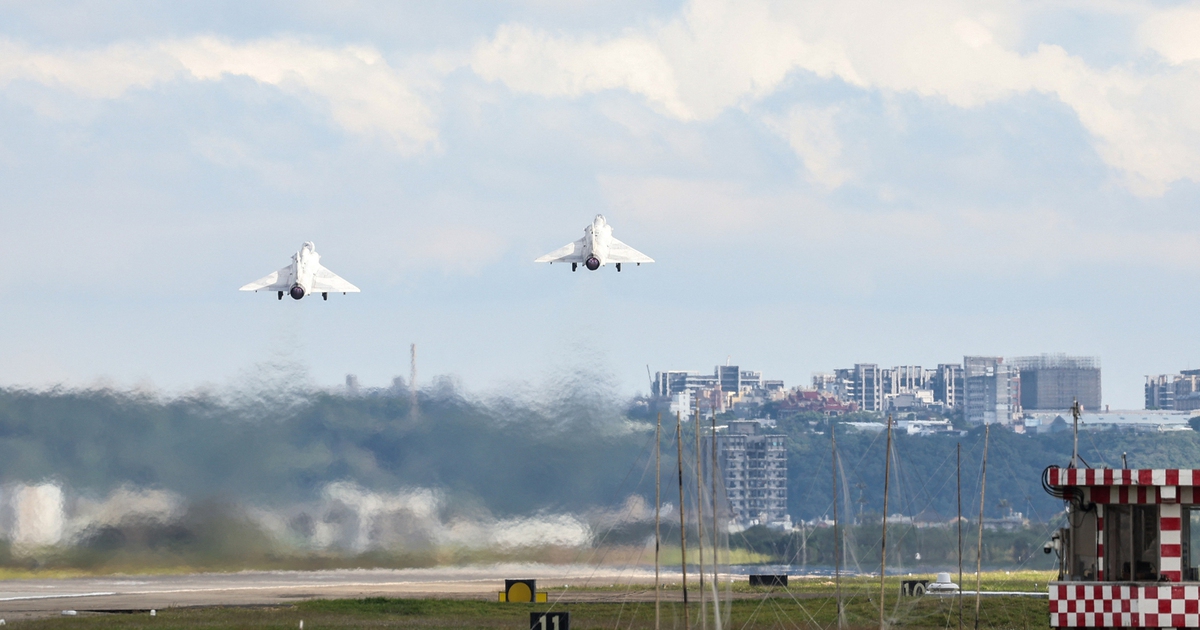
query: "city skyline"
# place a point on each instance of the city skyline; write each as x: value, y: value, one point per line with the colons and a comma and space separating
x: 815, y: 183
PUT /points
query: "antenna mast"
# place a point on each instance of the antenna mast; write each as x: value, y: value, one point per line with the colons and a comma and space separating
x: 412, y: 382
x: 700, y: 519
x: 1076, y: 412
x: 887, y: 469
x: 657, y: 511
x: 837, y: 558
x: 682, y: 524
x: 987, y: 428
x: 712, y: 476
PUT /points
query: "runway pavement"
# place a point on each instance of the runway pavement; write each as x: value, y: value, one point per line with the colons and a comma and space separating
x: 22, y: 599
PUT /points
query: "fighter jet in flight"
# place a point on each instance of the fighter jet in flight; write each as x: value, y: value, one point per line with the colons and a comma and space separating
x: 596, y: 249
x: 304, y: 276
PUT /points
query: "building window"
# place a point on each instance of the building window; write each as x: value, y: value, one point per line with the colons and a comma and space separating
x: 1081, y: 549
x: 1131, y: 542
x: 1190, y: 537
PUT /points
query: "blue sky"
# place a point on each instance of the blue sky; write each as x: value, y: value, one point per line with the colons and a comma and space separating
x: 821, y: 183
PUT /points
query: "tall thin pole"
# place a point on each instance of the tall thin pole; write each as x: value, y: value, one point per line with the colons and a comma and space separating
x: 682, y: 523
x: 837, y: 553
x: 700, y: 519
x: 1076, y: 412
x: 887, y: 473
x: 657, y: 515
x: 958, y: 478
x: 412, y: 382
x: 979, y: 550
x: 716, y: 543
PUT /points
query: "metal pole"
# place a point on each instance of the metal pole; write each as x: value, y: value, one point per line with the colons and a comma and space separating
x: 887, y: 472
x: 413, y: 410
x: 1075, y: 413
x: 979, y: 551
x: 700, y: 519
x: 958, y: 479
x: 657, y: 515
x: 837, y: 554
x: 682, y: 523
x: 716, y: 543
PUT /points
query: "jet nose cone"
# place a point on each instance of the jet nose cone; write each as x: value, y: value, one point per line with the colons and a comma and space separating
x: 297, y: 292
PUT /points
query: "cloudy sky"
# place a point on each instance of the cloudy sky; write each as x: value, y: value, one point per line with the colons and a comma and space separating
x: 822, y: 183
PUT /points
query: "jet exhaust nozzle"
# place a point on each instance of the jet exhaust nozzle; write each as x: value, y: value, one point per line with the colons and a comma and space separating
x: 297, y: 292
x: 592, y: 263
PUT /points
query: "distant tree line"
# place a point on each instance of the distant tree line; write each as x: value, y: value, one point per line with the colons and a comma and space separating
x: 575, y: 448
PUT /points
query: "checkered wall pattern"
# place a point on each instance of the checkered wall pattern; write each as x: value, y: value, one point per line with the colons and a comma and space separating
x: 1103, y: 605
x: 1095, y: 605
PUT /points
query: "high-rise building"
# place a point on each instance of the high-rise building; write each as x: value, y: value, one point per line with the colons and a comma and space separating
x: 1160, y: 392
x: 730, y: 378
x: 947, y: 384
x: 905, y: 379
x: 1180, y: 392
x: 864, y: 385
x: 833, y: 384
x: 719, y: 391
x: 753, y: 467
x: 675, y: 381
x: 1055, y: 381
x: 992, y: 391
x: 872, y: 388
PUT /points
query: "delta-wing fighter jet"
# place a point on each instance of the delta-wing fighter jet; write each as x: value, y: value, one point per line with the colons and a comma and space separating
x: 596, y: 249
x: 304, y: 276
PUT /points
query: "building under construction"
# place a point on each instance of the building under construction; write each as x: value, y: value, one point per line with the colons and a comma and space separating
x: 1056, y: 381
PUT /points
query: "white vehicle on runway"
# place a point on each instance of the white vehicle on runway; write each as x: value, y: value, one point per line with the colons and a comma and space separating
x: 596, y: 249
x: 304, y: 276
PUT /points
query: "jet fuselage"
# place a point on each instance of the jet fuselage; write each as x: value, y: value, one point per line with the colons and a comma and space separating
x: 307, y: 261
x: 597, y: 248
x: 597, y: 239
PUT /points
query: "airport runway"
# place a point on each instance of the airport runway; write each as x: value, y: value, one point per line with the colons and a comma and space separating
x: 23, y: 599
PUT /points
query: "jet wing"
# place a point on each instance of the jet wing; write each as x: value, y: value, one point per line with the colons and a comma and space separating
x: 325, y: 281
x: 571, y: 252
x: 279, y: 281
x: 619, y: 252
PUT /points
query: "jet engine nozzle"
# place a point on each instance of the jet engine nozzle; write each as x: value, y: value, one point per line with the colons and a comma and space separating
x: 592, y: 263
x: 297, y: 292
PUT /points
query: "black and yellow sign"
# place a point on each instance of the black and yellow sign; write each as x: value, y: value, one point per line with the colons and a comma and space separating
x: 521, y: 591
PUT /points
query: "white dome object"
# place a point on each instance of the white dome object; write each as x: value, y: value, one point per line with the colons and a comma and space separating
x: 942, y: 585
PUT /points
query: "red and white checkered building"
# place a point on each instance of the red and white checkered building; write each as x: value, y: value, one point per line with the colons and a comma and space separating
x: 1102, y: 598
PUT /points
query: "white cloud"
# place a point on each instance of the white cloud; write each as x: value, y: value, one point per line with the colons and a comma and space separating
x: 534, y: 62
x: 812, y: 134
x: 1172, y: 34
x: 364, y: 95
x: 719, y: 54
